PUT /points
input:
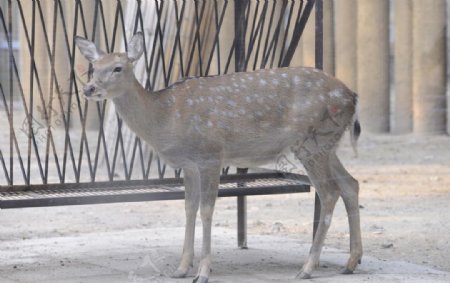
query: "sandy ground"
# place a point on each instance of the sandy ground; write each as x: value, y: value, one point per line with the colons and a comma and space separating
x: 404, y: 197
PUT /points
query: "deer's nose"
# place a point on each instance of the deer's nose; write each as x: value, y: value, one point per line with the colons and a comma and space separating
x: 89, y: 90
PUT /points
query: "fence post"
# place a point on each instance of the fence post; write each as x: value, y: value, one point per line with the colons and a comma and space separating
x: 239, y: 56
x: 328, y: 36
x: 319, y: 65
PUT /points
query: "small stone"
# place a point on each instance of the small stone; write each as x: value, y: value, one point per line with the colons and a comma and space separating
x: 387, y: 246
x: 258, y: 223
x: 277, y: 227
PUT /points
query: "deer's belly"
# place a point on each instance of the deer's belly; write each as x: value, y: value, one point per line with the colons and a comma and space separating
x: 254, y: 154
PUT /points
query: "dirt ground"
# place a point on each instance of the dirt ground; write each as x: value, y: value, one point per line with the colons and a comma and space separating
x: 404, y: 198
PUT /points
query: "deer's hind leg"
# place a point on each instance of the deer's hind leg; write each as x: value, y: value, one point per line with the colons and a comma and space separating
x: 318, y: 170
x: 349, y: 190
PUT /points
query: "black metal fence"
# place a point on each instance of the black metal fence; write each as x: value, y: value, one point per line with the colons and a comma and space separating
x: 50, y: 134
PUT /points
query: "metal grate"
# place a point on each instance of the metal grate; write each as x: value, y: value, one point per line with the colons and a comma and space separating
x: 88, y: 193
x: 52, y: 136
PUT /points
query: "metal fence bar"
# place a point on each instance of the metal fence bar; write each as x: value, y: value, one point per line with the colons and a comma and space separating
x: 319, y: 65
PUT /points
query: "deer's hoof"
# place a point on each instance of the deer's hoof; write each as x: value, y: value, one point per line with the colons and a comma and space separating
x: 346, y: 271
x: 200, y: 279
x: 303, y: 275
x: 178, y: 274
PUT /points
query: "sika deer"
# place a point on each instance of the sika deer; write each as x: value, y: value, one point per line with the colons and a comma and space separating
x: 243, y: 119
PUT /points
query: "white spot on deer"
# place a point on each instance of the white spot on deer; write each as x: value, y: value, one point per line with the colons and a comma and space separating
x: 190, y: 102
x: 231, y: 103
x: 197, y: 118
x: 297, y: 80
x: 263, y: 82
x: 335, y: 93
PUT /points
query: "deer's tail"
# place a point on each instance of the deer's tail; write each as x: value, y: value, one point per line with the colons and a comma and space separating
x: 355, y: 127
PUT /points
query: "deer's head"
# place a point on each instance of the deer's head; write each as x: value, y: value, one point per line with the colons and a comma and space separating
x: 112, y: 72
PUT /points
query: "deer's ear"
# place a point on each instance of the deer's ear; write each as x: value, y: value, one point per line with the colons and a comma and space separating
x: 136, y: 46
x: 88, y: 49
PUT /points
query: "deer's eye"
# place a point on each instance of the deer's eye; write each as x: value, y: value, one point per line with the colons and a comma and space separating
x: 117, y: 70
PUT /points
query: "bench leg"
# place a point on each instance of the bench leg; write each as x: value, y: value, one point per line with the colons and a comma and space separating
x: 317, y: 206
x: 242, y: 222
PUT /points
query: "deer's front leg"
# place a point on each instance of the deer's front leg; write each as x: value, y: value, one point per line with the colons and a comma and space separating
x: 209, y: 179
x: 192, y: 199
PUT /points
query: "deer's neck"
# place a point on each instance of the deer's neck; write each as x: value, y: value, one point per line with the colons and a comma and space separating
x: 142, y: 112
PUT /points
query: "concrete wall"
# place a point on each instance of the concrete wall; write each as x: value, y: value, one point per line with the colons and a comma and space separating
x: 397, y: 65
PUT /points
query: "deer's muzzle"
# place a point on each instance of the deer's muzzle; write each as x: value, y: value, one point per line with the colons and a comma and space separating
x: 89, y: 90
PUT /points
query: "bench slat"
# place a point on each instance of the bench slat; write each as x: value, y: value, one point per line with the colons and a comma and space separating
x: 146, y: 190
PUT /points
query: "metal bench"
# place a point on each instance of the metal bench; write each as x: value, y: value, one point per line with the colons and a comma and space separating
x: 235, y: 185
